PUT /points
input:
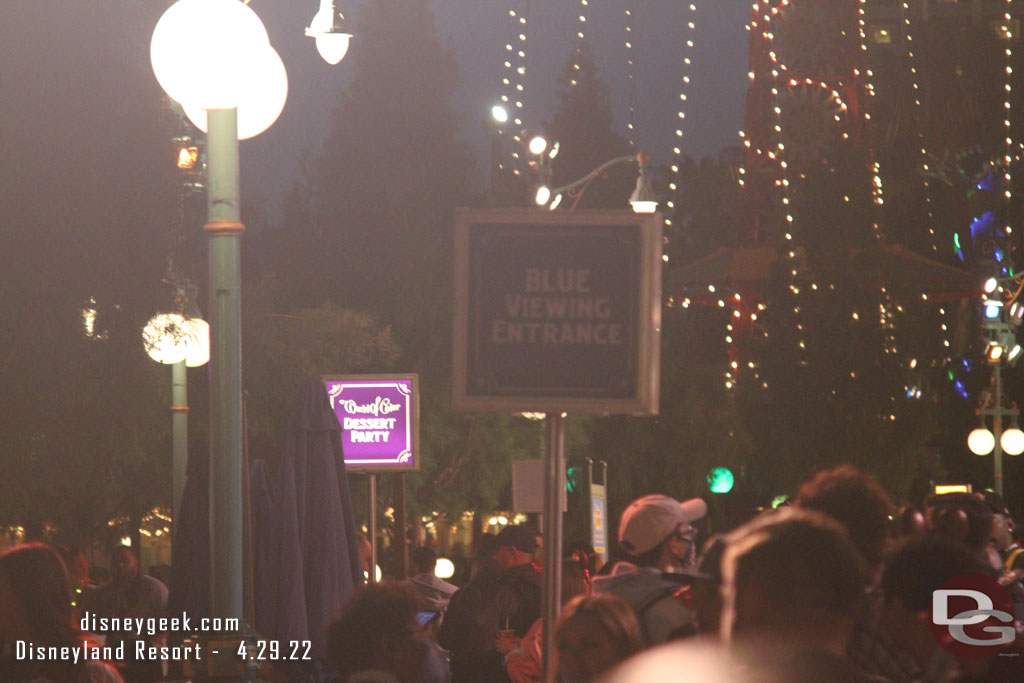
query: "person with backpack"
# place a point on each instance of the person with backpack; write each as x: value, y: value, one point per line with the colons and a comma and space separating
x: 656, y: 533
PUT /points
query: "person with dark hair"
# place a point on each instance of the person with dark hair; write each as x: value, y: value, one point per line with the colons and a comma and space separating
x: 523, y: 656
x: 517, y: 594
x: 863, y: 508
x: 856, y: 501
x: 656, y: 533
x: 35, y: 612
x: 378, y: 639
x: 437, y: 592
x: 793, y: 583
x: 1011, y: 554
x: 594, y: 634
x: 964, y: 517
x: 585, y: 554
x: 470, y: 622
x: 912, y: 574
x: 131, y: 595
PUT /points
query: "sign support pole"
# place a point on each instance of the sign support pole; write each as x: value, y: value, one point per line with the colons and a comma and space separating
x: 372, y: 525
x: 554, y: 502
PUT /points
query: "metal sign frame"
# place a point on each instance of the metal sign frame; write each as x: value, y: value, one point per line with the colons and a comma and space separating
x: 412, y: 407
x: 640, y: 232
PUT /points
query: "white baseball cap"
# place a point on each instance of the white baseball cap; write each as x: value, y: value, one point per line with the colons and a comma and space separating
x: 650, y: 520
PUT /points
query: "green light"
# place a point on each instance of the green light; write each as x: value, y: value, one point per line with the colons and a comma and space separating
x: 572, y: 479
x: 956, y: 240
x: 720, y: 480
x: 779, y: 500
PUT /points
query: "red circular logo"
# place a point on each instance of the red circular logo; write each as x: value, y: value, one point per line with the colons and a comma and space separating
x: 972, y: 616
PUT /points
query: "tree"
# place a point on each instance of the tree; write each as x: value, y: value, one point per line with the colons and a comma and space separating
x: 585, y: 130
x: 88, y: 198
x: 371, y: 229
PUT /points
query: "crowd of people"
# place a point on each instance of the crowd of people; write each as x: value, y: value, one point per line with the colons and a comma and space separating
x: 834, y: 586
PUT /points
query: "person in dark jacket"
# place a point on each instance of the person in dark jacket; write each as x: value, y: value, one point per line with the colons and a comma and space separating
x: 504, y: 597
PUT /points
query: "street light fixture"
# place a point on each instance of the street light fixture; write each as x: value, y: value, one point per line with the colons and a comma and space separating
x: 180, y: 342
x: 330, y: 30
x: 643, y: 199
x: 215, y: 68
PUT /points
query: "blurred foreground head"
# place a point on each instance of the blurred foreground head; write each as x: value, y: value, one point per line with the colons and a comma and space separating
x: 378, y: 632
x: 594, y: 633
x: 855, y: 500
x: 35, y: 599
x: 792, y: 579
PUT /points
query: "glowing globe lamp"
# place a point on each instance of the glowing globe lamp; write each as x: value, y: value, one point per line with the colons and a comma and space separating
x: 197, y: 342
x: 720, y: 480
x: 262, y: 98
x: 162, y: 337
x: 981, y: 441
x: 1012, y: 441
x: 201, y: 49
x: 331, y: 40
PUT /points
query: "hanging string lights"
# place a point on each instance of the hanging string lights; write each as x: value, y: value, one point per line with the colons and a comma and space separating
x: 630, y: 82
x: 677, y: 153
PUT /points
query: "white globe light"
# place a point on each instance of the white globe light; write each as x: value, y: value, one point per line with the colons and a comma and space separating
x: 499, y: 113
x: 1012, y: 441
x: 445, y: 569
x: 200, y: 47
x: 331, y: 46
x: 197, y: 342
x: 538, y: 144
x: 981, y: 441
x: 543, y: 195
x: 264, y: 92
x: 163, y: 337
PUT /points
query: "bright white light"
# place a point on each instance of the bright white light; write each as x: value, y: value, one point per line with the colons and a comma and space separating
x: 556, y: 201
x: 163, y: 336
x: 554, y: 150
x: 538, y: 144
x: 543, y: 195
x: 1012, y: 441
x: 366, y: 574
x: 981, y: 441
x: 990, y: 285
x: 197, y: 342
x: 126, y: 540
x: 445, y: 569
x: 499, y: 114
x: 331, y: 46
x: 264, y: 94
x: 200, y: 49
x: 644, y: 207
x: 169, y: 338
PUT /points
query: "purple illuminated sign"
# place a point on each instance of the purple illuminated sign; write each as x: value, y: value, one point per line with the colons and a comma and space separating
x: 379, y: 418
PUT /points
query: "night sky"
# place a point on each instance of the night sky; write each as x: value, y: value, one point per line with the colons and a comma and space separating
x: 61, y: 68
x: 476, y: 30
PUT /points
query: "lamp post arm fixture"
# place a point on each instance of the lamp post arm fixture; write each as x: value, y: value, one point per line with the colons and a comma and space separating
x: 331, y: 32
x: 642, y: 199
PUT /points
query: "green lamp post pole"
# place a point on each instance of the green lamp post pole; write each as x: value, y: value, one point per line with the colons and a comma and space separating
x: 179, y: 434
x: 224, y: 229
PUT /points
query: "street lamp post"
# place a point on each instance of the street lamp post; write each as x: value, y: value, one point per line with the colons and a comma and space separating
x: 998, y: 441
x: 225, y: 67
x: 182, y: 343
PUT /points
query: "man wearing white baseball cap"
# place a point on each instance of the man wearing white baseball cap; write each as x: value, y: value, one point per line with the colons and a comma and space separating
x: 656, y: 532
